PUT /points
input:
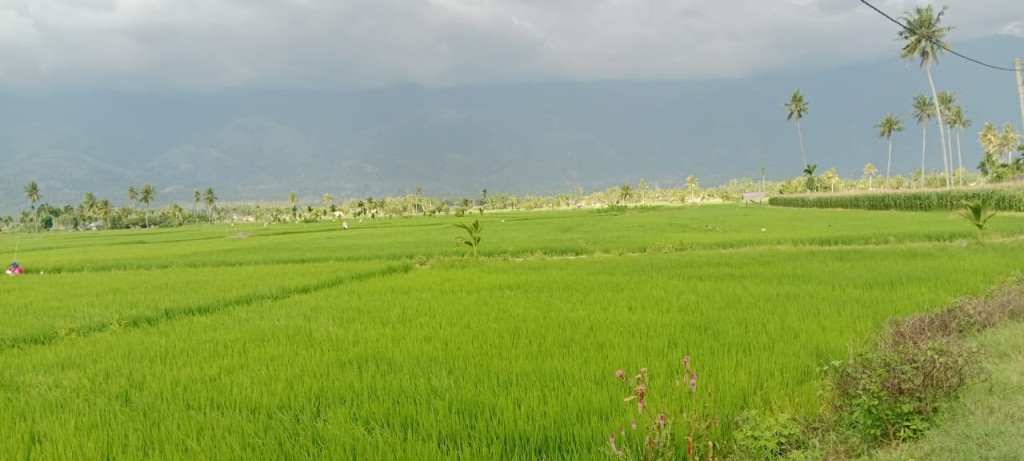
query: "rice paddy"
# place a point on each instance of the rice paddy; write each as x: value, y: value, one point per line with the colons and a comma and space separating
x: 387, y: 341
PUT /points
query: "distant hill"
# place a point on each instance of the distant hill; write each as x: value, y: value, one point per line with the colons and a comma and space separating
x: 541, y: 138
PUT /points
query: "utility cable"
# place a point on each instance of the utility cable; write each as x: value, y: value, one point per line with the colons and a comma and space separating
x: 938, y: 44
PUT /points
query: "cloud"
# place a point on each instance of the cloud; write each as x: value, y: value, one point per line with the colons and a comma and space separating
x: 211, y: 45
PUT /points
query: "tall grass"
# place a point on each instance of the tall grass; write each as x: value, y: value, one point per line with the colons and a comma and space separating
x: 1002, y: 199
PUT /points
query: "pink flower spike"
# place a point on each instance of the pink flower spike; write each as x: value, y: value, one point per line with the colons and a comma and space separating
x: 640, y: 405
x: 638, y: 378
x: 693, y: 382
x: 661, y: 420
x: 633, y: 424
x: 622, y: 430
x: 620, y: 374
x: 686, y: 361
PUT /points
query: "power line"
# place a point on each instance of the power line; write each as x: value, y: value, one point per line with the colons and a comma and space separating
x: 938, y: 44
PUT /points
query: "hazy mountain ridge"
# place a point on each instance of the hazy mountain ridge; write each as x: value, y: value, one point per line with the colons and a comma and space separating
x: 529, y: 138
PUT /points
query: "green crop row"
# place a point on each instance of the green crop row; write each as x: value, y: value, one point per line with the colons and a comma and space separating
x: 1001, y: 199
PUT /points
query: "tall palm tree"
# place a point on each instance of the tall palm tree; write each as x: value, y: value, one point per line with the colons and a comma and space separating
x: 1009, y: 140
x: 890, y: 124
x: 870, y: 171
x: 196, y: 196
x: 210, y: 198
x: 989, y: 138
x: 960, y: 122
x: 922, y: 110
x: 328, y: 200
x: 133, y: 195
x: 103, y: 211
x: 796, y: 109
x: 294, y: 200
x: 177, y: 211
x: 371, y: 206
x: 947, y: 102
x: 88, y: 206
x: 32, y: 195
x: 809, y: 172
x: 691, y: 182
x: 625, y: 192
x: 831, y: 177
x: 923, y: 37
x: 146, y: 196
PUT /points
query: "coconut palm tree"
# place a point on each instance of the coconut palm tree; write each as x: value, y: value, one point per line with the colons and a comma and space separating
x: 831, y: 177
x: 328, y: 200
x: 960, y: 122
x: 177, y: 211
x: 625, y: 192
x: 691, y: 182
x: 146, y: 196
x: 947, y: 102
x: 87, y: 207
x: 210, y: 198
x: 1009, y: 139
x: 133, y: 195
x: 809, y: 172
x: 196, y: 196
x: 870, y: 171
x: 796, y: 108
x: 103, y: 211
x: 294, y: 200
x: 923, y: 37
x: 922, y: 110
x: 32, y: 195
x: 890, y: 124
x: 989, y: 138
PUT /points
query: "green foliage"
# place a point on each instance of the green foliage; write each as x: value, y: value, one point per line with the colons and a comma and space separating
x: 978, y: 212
x: 760, y: 436
x: 472, y: 239
x: 1001, y: 199
x: 892, y: 392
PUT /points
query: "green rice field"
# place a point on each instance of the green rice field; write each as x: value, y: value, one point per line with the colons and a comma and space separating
x: 388, y: 341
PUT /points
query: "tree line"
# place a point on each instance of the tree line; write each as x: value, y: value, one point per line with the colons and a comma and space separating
x: 923, y: 39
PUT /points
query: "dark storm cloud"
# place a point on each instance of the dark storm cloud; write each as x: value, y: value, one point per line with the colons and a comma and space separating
x: 209, y: 45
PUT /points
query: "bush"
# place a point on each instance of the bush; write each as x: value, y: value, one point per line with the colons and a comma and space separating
x: 892, y: 392
x: 768, y: 437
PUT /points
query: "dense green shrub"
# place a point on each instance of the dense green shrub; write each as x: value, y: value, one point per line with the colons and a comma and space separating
x: 1001, y: 199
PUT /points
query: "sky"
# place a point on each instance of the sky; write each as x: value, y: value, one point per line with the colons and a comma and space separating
x: 223, y: 45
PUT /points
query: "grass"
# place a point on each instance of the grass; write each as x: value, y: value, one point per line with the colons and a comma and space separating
x: 385, y: 341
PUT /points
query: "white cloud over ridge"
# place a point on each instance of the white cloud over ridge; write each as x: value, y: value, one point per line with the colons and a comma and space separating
x: 212, y: 45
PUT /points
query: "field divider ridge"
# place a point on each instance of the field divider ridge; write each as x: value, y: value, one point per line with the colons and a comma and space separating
x: 142, y: 320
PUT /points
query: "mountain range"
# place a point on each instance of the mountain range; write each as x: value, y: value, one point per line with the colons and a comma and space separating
x: 531, y: 137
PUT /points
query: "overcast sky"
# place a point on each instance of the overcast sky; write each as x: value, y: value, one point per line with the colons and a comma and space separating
x: 216, y: 45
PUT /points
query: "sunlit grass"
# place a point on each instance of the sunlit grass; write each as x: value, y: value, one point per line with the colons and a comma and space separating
x: 384, y: 341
